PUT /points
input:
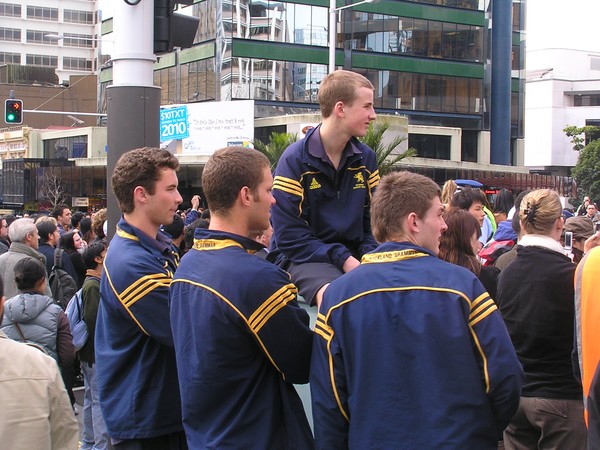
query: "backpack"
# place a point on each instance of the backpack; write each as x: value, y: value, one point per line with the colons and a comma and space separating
x: 493, y: 250
x: 62, y: 285
x: 74, y: 313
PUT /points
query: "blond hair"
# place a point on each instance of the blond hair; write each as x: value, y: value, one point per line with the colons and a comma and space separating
x: 539, y: 211
x: 448, y: 190
x: 340, y: 86
x: 46, y: 219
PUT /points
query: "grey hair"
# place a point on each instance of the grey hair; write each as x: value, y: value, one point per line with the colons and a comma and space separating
x: 20, y: 228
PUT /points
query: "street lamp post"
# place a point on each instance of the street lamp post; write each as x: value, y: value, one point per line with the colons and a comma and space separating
x: 333, y: 9
x: 61, y: 37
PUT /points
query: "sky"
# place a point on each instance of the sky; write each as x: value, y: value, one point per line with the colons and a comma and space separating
x: 558, y: 24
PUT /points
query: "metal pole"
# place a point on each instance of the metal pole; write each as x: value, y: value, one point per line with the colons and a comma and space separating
x: 332, y: 34
x: 333, y: 9
x: 133, y: 102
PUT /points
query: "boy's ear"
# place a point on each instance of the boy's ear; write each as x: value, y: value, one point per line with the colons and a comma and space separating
x: 339, y: 109
x: 411, y: 223
x: 245, y: 196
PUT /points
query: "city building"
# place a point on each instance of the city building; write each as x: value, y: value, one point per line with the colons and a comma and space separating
x: 61, y: 34
x: 562, y: 82
x: 563, y: 89
x: 428, y: 60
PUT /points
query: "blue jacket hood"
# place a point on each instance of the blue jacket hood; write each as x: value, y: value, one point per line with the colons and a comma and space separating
x: 505, y: 232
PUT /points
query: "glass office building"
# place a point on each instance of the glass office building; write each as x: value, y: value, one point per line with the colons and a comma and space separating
x: 429, y: 60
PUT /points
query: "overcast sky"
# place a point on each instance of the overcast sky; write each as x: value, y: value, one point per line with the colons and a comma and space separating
x: 563, y: 24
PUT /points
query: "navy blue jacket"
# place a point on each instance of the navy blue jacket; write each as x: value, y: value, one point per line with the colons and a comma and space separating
x: 410, y: 352
x: 322, y: 215
x: 48, y: 251
x: 135, y: 359
x: 241, y: 341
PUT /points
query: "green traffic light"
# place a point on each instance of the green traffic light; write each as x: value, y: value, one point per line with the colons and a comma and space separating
x: 13, y: 111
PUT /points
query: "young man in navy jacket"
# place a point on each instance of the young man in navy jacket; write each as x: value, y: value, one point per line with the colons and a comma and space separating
x: 241, y: 339
x: 410, y: 351
x: 135, y: 359
x: 323, y: 186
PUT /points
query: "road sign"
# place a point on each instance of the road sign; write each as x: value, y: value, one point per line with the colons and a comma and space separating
x: 174, y: 123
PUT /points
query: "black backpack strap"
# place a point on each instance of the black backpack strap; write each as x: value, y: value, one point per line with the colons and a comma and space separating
x: 58, y: 257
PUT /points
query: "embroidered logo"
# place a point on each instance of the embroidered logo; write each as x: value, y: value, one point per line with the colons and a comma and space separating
x: 314, y: 184
x: 360, y: 181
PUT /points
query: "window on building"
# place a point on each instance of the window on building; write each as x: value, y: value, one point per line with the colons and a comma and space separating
x: 465, y: 4
x: 39, y: 37
x: 468, y: 151
x: 516, y: 10
x: 64, y: 148
x: 41, y: 60
x: 10, y: 10
x: 10, y: 34
x: 70, y: 63
x: 74, y: 16
x: 78, y: 40
x: 10, y: 58
x: 430, y: 146
x: 586, y: 100
x: 42, y: 13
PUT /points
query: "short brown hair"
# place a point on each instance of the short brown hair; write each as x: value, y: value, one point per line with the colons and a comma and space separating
x: 139, y: 167
x: 539, y: 210
x: 340, y: 86
x: 227, y: 171
x: 398, y: 194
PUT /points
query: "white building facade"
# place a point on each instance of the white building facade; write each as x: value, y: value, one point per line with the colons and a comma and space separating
x: 51, y: 33
x: 562, y: 80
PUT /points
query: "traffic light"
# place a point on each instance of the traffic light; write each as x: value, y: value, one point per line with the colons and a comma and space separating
x: 172, y: 29
x: 13, y: 111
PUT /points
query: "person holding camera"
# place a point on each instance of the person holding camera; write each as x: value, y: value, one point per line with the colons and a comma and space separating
x: 535, y: 297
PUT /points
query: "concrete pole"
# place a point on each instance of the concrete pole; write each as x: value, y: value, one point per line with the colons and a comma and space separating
x: 133, y: 102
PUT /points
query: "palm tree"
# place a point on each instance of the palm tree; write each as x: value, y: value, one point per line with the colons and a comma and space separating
x: 277, y: 144
x: 385, y: 159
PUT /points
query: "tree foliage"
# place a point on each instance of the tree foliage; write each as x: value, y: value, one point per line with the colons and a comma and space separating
x: 587, y: 171
x: 575, y: 133
x: 386, y: 159
x: 277, y: 144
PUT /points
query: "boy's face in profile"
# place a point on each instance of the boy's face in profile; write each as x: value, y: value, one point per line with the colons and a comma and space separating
x: 358, y: 115
x: 476, y: 210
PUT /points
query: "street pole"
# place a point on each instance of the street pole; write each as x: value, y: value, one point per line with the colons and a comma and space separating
x: 333, y: 10
x: 332, y: 34
x: 133, y: 102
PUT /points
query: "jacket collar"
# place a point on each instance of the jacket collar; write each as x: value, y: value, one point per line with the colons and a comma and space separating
x: 396, y: 250
x: 203, y: 235
x: 539, y: 240
x: 315, y: 154
x: 19, y: 247
x: 161, y: 244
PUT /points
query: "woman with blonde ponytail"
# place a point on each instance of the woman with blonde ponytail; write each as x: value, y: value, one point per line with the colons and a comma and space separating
x: 535, y: 298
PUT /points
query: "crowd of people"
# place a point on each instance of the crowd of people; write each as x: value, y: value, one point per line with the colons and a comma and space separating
x: 443, y: 321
